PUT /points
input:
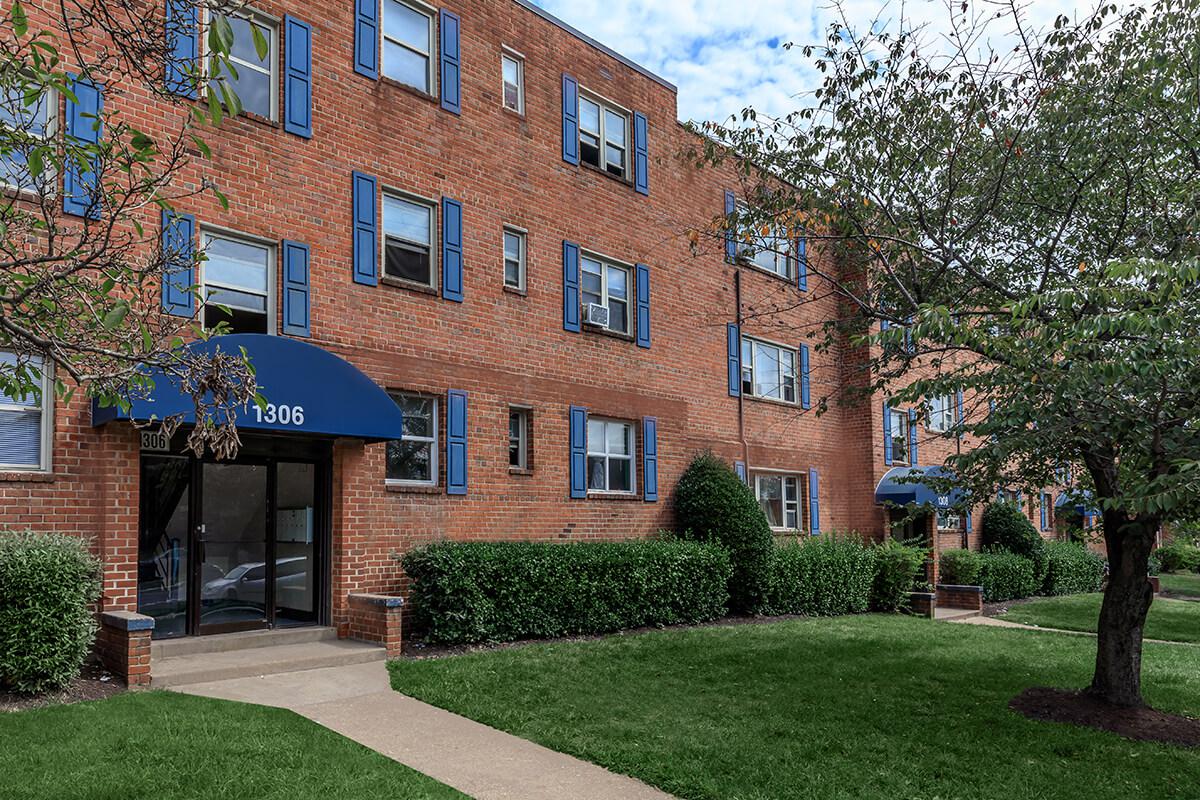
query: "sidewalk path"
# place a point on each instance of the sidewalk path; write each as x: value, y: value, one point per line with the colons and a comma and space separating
x: 358, y: 702
x: 995, y: 622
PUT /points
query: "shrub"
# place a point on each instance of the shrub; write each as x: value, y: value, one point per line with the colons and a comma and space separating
x: 896, y: 568
x: 1072, y: 569
x: 713, y: 505
x: 1006, y: 576
x: 1004, y: 526
x: 821, y: 576
x: 47, y: 583
x: 960, y: 567
x: 1179, y: 556
x: 464, y: 592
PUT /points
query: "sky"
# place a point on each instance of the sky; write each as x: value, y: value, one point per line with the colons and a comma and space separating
x: 725, y: 55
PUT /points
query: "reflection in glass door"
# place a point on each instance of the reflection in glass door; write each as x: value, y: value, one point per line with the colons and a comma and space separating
x: 296, y: 571
x: 163, y: 543
x: 231, y: 547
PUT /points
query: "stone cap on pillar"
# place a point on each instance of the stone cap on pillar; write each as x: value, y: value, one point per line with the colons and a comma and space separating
x: 385, y: 600
x: 127, y: 621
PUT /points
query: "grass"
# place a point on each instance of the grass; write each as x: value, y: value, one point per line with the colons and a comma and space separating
x: 871, y: 706
x: 1172, y: 620
x: 170, y: 746
x: 1184, y: 583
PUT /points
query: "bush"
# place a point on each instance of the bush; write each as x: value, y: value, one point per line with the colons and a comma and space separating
x: 1006, y: 576
x: 896, y: 568
x: 1004, y: 526
x: 1179, y: 556
x: 1072, y: 569
x: 713, y: 505
x: 960, y: 567
x: 47, y: 583
x: 464, y: 592
x: 821, y: 576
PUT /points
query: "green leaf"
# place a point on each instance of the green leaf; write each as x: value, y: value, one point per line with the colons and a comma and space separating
x: 19, y: 19
x: 116, y: 315
x: 261, y: 45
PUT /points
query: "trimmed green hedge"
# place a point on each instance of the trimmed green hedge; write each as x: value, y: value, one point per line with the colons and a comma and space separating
x: 896, y: 569
x: 1073, y: 569
x: 467, y: 592
x: 960, y: 567
x: 1007, y: 576
x: 821, y: 576
x: 1179, y: 556
x: 1006, y: 526
x: 47, y: 583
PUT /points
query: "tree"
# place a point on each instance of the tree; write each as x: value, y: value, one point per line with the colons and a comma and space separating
x: 82, y: 252
x: 1019, y: 225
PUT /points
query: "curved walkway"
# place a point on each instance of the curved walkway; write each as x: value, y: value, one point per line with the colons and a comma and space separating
x: 996, y: 622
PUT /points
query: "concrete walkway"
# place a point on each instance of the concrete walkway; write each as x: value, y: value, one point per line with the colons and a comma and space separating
x: 994, y: 622
x: 358, y: 702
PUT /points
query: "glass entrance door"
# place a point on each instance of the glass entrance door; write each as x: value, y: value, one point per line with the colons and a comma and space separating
x: 231, y: 552
x: 297, y: 579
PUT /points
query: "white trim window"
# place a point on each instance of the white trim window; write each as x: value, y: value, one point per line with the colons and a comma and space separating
x: 27, y: 422
x: 940, y: 414
x: 610, y: 456
x: 771, y: 253
x: 21, y: 119
x: 607, y: 284
x: 514, y: 259
x: 254, y: 80
x: 603, y: 136
x: 781, y: 498
x: 948, y: 520
x: 898, y: 427
x: 768, y: 370
x: 512, y: 79
x: 518, y: 438
x: 413, y: 461
x: 408, y: 32
x: 237, y: 278
x: 408, y: 234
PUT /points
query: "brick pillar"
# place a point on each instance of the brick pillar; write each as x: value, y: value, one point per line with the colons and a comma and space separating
x: 119, y: 517
x: 376, y: 618
x: 123, y: 646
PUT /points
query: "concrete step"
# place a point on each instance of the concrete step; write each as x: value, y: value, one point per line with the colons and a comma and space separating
x: 952, y: 614
x: 243, y: 640
x: 257, y: 661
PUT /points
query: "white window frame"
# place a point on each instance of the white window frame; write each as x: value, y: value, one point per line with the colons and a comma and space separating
x: 607, y: 105
x: 630, y: 300
x: 48, y: 179
x: 431, y: 56
x: 752, y: 391
x: 208, y: 232
x: 777, y: 244
x: 940, y: 420
x: 431, y: 440
x: 900, y: 416
x: 508, y: 54
x: 434, y: 250
x: 44, y: 406
x: 522, y: 439
x: 272, y: 24
x: 522, y: 252
x: 800, y: 502
x: 952, y: 520
x: 631, y: 457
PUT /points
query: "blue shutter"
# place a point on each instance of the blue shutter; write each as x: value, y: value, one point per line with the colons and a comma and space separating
x: 80, y: 186
x: 456, y: 442
x: 814, y: 502
x: 643, y: 306
x: 183, y: 44
x: 295, y: 288
x: 884, y: 325
x: 179, y: 250
x: 650, y: 459
x: 887, y: 434
x: 452, y: 250
x: 730, y: 230
x: 970, y: 525
x: 805, y: 392
x: 451, y: 64
x: 578, y: 442
x: 739, y: 467
x: 734, y: 347
x: 366, y: 230
x: 571, y: 308
x: 366, y: 38
x: 958, y: 402
x: 1045, y: 511
x: 801, y: 249
x: 570, y: 122
x: 913, y: 458
x: 641, y: 155
x: 297, y: 77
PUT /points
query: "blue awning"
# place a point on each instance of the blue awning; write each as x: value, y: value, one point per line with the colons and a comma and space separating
x: 1081, y: 508
x: 903, y: 486
x: 308, y: 390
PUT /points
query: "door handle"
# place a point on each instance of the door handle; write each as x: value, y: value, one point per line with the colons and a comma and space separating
x: 200, y: 542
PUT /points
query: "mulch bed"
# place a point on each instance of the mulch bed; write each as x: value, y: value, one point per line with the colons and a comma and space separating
x: 1080, y: 708
x: 93, y: 683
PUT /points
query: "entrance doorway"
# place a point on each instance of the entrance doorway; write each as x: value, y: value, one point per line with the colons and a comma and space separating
x: 233, y: 546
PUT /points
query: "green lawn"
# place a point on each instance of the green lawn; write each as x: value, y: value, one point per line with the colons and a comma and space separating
x: 1181, y: 583
x: 853, y: 707
x: 1172, y: 620
x: 167, y: 746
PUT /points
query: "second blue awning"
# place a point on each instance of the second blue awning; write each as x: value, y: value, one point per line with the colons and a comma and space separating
x: 904, y: 486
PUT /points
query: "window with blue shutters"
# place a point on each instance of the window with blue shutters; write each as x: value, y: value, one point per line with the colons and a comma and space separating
x: 365, y: 229
x: 179, y: 258
x: 452, y: 250
x: 26, y: 421
x: 643, y: 306
x: 457, y: 456
x: 897, y: 441
x: 81, y: 194
x: 641, y: 154
x: 650, y: 459
x: 578, y: 451
x: 295, y: 288
x: 571, y: 303
x: 297, y: 79
x: 183, y: 46
x: 33, y: 121
x: 451, y: 80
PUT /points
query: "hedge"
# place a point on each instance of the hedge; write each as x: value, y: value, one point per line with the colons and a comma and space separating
x: 1072, y: 569
x: 821, y: 576
x: 467, y: 592
x: 1179, y: 556
x: 1006, y: 526
x: 1007, y: 576
x: 960, y: 567
x: 896, y: 569
x: 47, y: 585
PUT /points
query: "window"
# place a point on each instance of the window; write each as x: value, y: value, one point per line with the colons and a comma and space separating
x: 899, y: 433
x: 940, y: 412
x: 772, y: 252
x: 768, y: 371
x: 948, y: 520
x: 514, y: 259
x: 22, y: 118
x: 602, y: 136
x: 408, y: 239
x: 512, y: 70
x: 606, y: 284
x: 610, y: 456
x: 26, y: 422
x: 518, y: 438
x: 408, y: 44
x: 413, y: 459
x: 781, y: 497
x: 253, y: 79
x: 236, y: 279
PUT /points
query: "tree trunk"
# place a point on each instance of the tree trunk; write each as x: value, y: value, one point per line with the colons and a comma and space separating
x: 1118, y: 676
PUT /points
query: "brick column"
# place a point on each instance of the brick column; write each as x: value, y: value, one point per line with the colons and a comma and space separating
x: 123, y: 646
x: 376, y: 618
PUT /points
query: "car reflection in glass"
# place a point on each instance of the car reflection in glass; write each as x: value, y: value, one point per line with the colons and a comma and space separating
x: 248, y: 582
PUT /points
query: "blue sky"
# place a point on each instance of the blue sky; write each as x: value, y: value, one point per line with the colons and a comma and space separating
x: 726, y: 54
